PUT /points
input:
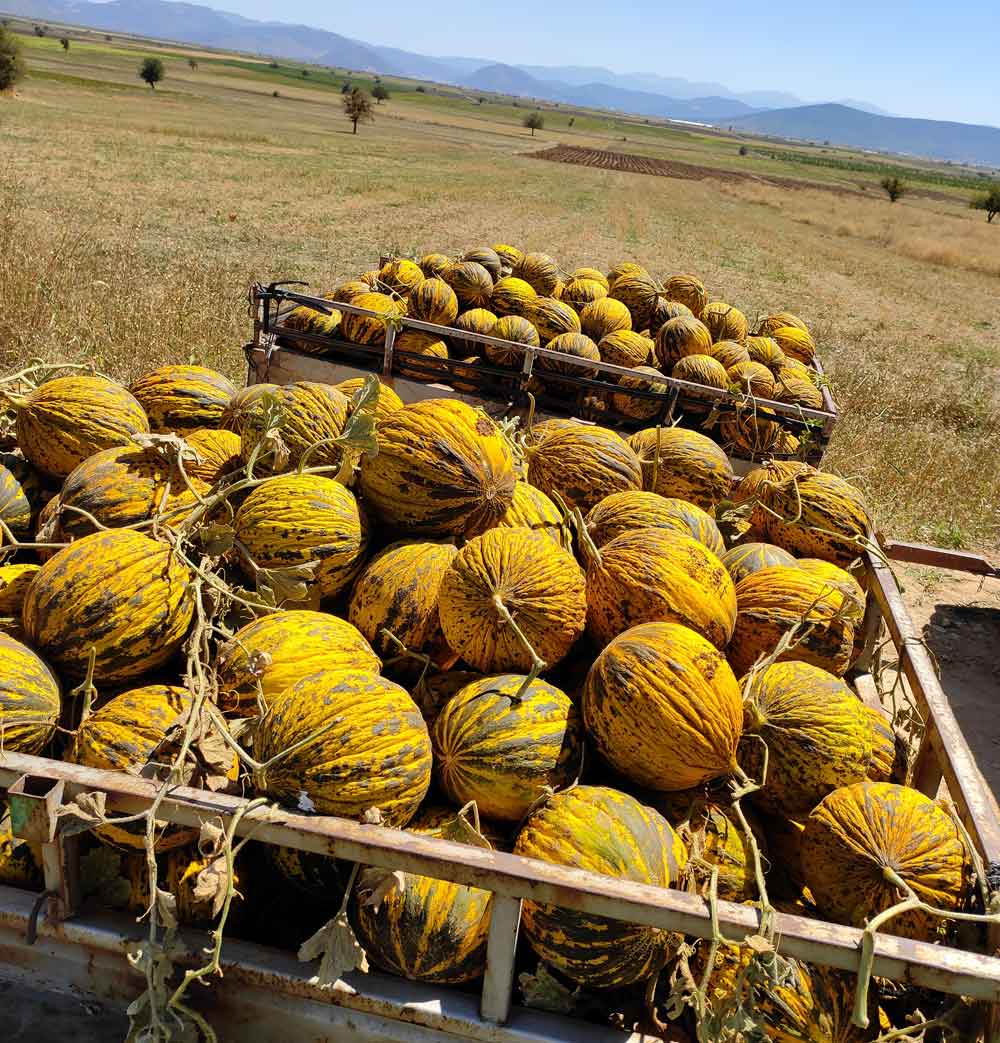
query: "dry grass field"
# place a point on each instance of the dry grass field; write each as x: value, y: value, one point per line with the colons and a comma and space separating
x: 132, y: 222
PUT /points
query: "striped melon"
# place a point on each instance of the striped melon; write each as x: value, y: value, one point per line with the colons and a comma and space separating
x: 183, y: 398
x: 532, y: 509
x: 242, y: 405
x: 701, y: 369
x: 551, y: 318
x: 388, y: 400
x: 309, y: 413
x: 817, y: 732
x: 217, y: 454
x: 488, y: 258
x: 510, y: 256
x: 747, y: 558
x: 67, y: 419
x: 17, y: 485
x: 512, y: 296
x: 581, y: 463
x: 649, y: 575
x: 311, y: 320
x: 348, y: 292
x: 729, y: 353
x: 798, y: 392
x: 687, y: 290
x: 398, y: 591
x: 178, y: 874
x: 602, y: 831
x: 767, y: 352
x: 471, y: 282
x: 122, y: 593
x: 436, y: 689
x: 574, y: 346
x: 425, y: 346
x: 443, y: 468
x: 476, y: 320
x: 539, y: 271
x: 315, y: 876
x: 593, y: 274
x: 521, y: 573
x: 890, y: 754
x: 779, y: 320
x: 124, y: 486
x: 638, y: 292
x: 432, y: 265
x: 772, y: 602
x: 14, y: 583
x: 367, y: 746
x: 432, y: 930
x: 754, y: 432
x: 513, y: 328
x: 616, y: 271
x: 501, y: 746
x: 274, y: 652
x: 663, y: 707
x: 626, y: 348
x: 29, y: 698
x: 679, y: 337
x: 795, y: 343
x: 637, y: 408
x: 400, y: 275
x: 20, y: 861
x: 751, y: 378
x: 664, y: 310
x: 854, y: 595
x: 370, y: 329
x: 859, y: 830
x: 606, y: 316
x: 751, y: 488
x: 296, y: 519
x: 465, y: 377
x: 685, y: 464
x: 724, y: 321
x: 433, y: 300
x: 580, y: 292
x: 814, y: 514
x: 793, y: 369
x: 622, y: 512
x: 127, y: 733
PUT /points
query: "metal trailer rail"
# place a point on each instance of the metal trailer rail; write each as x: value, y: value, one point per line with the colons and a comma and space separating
x: 683, y: 401
x: 370, y: 1007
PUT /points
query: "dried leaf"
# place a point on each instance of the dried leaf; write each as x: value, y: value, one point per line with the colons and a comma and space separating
x: 338, y: 950
x: 305, y: 803
x: 375, y: 885
x: 371, y: 817
x: 462, y: 831
x: 166, y: 908
x: 288, y: 584
x: 81, y: 814
x: 216, y: 539
x: 210, y: 839
x: 258, y: 661
x: 212, y: 884
x: 544, y: 992
x: 759, y: 944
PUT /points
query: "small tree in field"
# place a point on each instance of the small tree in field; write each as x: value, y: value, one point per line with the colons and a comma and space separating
x: 192, y: 63
x: 151, y: 71
x: 534, y: 121
x: 379, y: 93
x: 358, y: 108
x: 64, y: 41
x: 989, y: 201
x: 41, y: 30
x: 11, y: 65
x: 895, y: 188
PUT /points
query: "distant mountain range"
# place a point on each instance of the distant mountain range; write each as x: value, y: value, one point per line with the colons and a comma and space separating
x: 776, y: 113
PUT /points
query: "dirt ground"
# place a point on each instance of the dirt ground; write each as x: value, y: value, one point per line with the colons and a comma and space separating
x: 959, y: 616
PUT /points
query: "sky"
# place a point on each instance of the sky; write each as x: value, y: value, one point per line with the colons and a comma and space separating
x: 923, y: 58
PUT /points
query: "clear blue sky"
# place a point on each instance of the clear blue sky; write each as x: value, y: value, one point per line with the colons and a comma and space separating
x: 922, y: 58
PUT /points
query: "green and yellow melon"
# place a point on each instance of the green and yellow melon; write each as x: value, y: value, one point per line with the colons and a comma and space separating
x: 747, y: 558
x: 642, y: 378
x: 664, y: 310
x: 623, y: 512
x: 296, y: 519
x: 616, y: 271
x: 475, y: 320
x: 532, y: 509
x: 638, y: 292
x: 348, y: 292
x: 687, y: 290
x: 658, y: 574
x: 539, y: 271
x: 311, y: 320
x: 179, y: 399
x: 514, y: 328
x: 772, y: 602
x: 593, y: 274
x: 751, y: 378
x: 603, y: 831
x: 767, y: 352
x: 701, y: 369
x: 433, y: 300
x: 795, y: 343
x: 626, y: 348
x: 501, y: 744
x: 242, y: 405
x: 580, y: 292
x: 65, y: 420
x: 488, y: 258
x: 601, y: 318
x: 777, y: 321
x: 319, y: 877
x: 729, y: 353
x: 120, y: 593
x: 581, y: 463
x: 29, y: 698
x: 754, y: 432
x: 19, y: 488
x: 398, y: 592
x: 680, y: 337
x: 859, y: 832
x: 890, y: 752
x: 516, y: 573
x: 272, y: 653
x: 361, y: 743
x: 388, y: 400
x: 797, y: 392
x: 433, y: 264
x: 685, y: 464
x: 128, y: 733
x: 423, y: 346
x: 443, y: 468
x: 429, y: 930
x: 471, y: 282
x: 14, y: 582
x: 510, y: 256
x: 400, y: 275
x: 685, y: 728
x: 552, y: 318
x: 725, y: 322
x: 20, y: 861
x: 817, y: 733
x: 854, y: 595
x: 216, y: 453
x: 512, y: 296
x: 571, y: 346
x: 370, y: 329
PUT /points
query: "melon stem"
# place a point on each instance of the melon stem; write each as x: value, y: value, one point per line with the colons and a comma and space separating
x: 537, y: 663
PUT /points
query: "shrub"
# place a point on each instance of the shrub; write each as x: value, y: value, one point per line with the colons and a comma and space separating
x: 989, y: 201
x: 895, y: 187
x: 151, y: 70
x: 11, y: 63
x: 534, y: 121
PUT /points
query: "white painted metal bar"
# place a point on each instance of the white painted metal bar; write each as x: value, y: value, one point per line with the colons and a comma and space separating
x: 501, y: 948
